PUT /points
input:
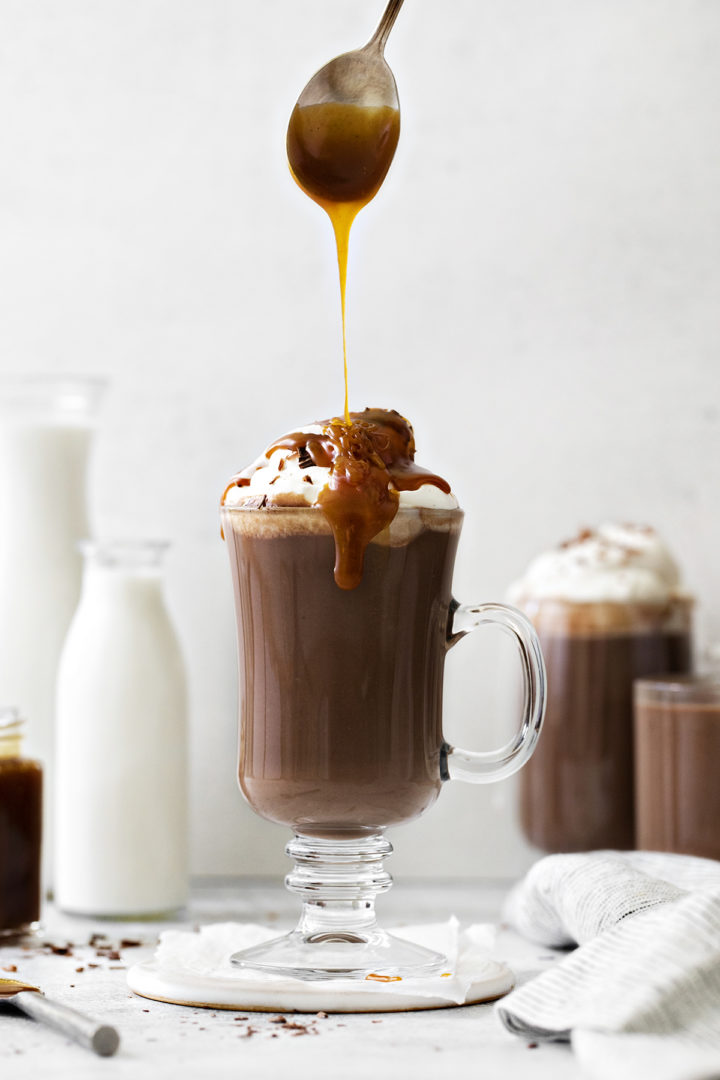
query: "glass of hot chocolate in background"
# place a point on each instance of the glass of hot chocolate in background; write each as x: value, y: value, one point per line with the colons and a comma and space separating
x: 677, y: 764
x: 608, y: 609
x: 341, y: 675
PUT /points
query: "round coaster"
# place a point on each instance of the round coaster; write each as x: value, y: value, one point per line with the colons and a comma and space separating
x: 150, y: 979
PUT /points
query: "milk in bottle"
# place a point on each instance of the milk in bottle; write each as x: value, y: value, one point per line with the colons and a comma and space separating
x: 121, y: 795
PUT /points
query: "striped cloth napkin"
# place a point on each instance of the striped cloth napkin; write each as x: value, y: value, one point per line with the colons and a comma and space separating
x: 640, y: 997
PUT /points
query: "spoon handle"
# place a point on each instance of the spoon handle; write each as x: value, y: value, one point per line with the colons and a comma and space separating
x: 379, y: 38
x: 102, y: 1038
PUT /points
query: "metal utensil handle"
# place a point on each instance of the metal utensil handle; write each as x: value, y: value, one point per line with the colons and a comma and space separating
x: 101, y: 1038
x: 379, y: 38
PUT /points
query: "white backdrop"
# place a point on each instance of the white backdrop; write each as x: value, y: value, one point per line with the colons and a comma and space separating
x: 536, y: 287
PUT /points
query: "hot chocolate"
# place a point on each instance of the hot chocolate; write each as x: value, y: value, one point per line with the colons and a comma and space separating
x: 577, y: 792
x: 342, y: 668
x: 341, y: 704
x: 677, y: 760
x: 607, y: 610
x: 341, y: 550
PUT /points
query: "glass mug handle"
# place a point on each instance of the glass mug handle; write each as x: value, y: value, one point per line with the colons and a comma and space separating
x: 485, y: 767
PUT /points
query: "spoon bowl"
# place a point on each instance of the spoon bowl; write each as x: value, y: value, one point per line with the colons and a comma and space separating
x: 345, y: 126
x: 360, y: 77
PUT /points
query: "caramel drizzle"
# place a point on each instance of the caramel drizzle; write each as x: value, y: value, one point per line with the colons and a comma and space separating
x: 339, y: 155
x: 239, y: 480
x: 371, y: 460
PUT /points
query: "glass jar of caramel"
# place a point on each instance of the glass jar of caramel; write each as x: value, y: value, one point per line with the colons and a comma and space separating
x: 20, y: 831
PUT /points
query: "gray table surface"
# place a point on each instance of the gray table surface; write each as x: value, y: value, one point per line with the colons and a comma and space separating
x: 160, y: 1040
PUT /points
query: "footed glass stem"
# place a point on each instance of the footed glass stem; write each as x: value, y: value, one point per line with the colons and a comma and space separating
x: 338, y: 936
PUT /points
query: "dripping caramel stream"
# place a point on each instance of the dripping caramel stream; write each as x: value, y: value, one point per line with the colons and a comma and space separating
x: 342, y: 216
x: 339, y: 155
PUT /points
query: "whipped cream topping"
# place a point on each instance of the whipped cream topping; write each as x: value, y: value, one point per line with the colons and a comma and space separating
x: 285, y: 479
x: 355, y: 471
x: 615, y: 562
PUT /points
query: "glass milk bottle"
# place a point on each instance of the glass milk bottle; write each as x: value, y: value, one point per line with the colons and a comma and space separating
x: 46, y: 429
x: 121, y: 795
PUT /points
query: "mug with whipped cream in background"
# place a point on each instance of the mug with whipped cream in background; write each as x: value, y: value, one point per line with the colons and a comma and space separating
x: 608, y: 608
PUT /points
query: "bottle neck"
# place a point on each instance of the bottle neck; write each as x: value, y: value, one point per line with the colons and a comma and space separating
x: 50, y: 399
x: 10, y: 748
x: 11, y: 724
x: 127, y: 569
x: 136, y: 557
x: 122, y: 589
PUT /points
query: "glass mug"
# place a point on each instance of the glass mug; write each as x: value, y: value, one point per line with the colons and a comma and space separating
x: 340, y: 717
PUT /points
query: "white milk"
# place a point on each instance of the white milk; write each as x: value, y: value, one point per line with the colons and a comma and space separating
x: 121, y: 755
x: 45, y: 436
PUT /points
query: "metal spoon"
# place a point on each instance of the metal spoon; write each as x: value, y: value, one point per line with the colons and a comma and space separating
x: 101, y: 1038
x: 361, y: 77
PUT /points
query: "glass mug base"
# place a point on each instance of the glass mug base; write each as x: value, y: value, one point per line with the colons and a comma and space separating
x: 338, y: 936
x: 374, y: 956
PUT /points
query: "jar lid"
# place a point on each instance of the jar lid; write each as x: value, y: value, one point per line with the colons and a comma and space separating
x: 50, y: 398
